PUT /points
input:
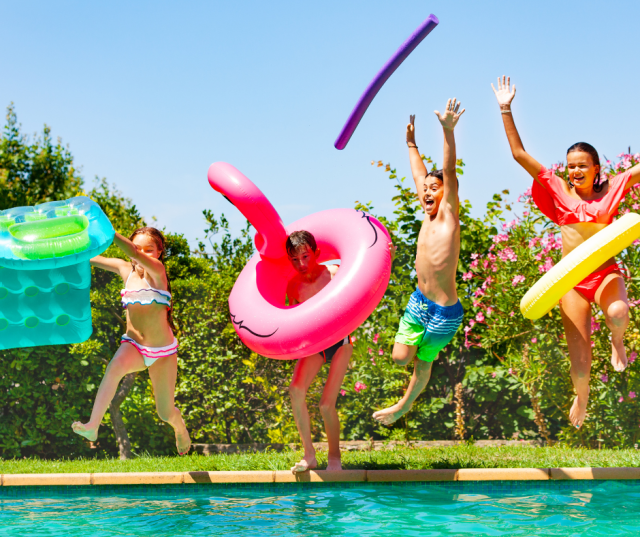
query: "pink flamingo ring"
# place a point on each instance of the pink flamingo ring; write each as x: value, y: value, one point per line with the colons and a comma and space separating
x: 257, y: 306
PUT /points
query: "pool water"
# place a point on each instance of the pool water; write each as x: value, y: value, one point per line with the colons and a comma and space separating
x: 426, y: 509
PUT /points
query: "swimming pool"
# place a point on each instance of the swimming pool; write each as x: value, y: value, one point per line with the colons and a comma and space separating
x: 407, y: 509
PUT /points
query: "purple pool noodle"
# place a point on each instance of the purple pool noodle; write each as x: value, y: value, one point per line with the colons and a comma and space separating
x: 378, y: 81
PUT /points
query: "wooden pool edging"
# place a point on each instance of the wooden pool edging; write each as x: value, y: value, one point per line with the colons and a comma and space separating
x: 320, y: 476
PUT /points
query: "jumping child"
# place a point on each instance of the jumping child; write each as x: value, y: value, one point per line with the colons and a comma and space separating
x: 149, y: 341
x: 434, y: 313
x: 582, y: 207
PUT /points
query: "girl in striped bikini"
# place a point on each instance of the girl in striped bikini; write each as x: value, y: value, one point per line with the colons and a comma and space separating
x: 149, y: 341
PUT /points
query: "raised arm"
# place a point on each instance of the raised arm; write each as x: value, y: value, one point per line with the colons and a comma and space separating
x: 418, y: 169
x: 449, y: 120
x: 505, y: 96
x: 153, y: 266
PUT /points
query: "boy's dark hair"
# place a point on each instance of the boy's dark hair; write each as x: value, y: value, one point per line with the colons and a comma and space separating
x: 588, y: 148
x: 438, y: 174
x: 298, y: 239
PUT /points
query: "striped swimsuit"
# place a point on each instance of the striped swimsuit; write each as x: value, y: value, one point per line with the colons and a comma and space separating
x: 147, y: 296
x: 428, y: 325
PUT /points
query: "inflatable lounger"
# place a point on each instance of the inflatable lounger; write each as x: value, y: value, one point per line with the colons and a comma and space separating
x: 45, y: 275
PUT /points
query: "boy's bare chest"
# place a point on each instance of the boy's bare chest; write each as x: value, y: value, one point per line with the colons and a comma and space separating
x: 305, y: 290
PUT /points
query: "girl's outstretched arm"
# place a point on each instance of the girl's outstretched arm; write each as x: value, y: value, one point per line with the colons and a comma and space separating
x: 505, y: 96
x: 418, y: 169
x: 112, y: 264
x: 153, y: 266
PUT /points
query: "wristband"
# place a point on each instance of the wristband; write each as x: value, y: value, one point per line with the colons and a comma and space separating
x: 505, y: 111
x: 410, y: 146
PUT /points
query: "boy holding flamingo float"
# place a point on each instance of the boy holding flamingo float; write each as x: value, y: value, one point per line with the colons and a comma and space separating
x: 311, y: 277
x: 434, y: 313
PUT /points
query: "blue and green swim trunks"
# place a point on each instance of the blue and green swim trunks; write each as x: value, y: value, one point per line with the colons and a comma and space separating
x: 428, y: 325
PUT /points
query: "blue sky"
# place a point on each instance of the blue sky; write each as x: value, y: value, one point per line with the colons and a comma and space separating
x: 149, y: 94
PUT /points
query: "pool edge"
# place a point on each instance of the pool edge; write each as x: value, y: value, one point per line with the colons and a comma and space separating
x: 321, y: 476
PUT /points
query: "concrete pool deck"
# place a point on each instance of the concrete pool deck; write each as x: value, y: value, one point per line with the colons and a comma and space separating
x: 320, y: 476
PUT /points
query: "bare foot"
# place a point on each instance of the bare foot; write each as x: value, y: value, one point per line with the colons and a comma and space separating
x: 334, y: 465
x: 183, y: 441
x: 86, y: 430
x: 578, y: 411
x: 308, y: 462
x: 618, y: 356
x: 388, y: 415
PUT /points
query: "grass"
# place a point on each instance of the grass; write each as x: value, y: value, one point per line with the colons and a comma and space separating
x: 403, y: 458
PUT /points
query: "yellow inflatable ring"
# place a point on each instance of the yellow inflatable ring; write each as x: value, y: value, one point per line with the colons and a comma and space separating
x: 576, y: 266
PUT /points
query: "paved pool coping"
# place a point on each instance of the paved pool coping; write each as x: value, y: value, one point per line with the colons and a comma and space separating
x: 320, y: 476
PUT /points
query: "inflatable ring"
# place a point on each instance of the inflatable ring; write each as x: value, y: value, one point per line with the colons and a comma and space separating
x: 54, y: 234
x: 578, y: 264
x: 383, y: 75
x: 257, y: 302
x: 50, y: 237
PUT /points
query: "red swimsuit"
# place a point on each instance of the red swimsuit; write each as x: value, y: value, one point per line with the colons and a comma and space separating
x: 563, y: 209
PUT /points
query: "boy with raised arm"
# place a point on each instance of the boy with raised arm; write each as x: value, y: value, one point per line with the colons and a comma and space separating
x: 434, y: 313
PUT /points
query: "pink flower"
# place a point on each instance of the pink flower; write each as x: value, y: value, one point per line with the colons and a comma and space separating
x: 487, y: 282
x: 493, y: 374
x: 474, y: 264
x: 512, y: 314
x: 471, y: 323
x: 507, y: 255
x: 342, y: 392
x: 474, y: 256
x: 480, y: 317
x: 534, y: 340
x: 489, y: 311
x: 632, y: 395
x: 517, y: 279
x: 548, y: 265
x: 595, y: 326
x: 534, y: 241
x: 635, y: 206
x: 500, y: 238
x: 375, y: 338
x: 359, y: 386
x: 525, y: 213
x: 621, y: 399
x: 632, y: 357
x: 604, y: 378
x: 466, y: 276
x: 380, y: 352
x: 510, y: 371
x: 370, y: 350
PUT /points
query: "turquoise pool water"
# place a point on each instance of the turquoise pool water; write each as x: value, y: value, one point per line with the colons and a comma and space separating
x: 428, y: 509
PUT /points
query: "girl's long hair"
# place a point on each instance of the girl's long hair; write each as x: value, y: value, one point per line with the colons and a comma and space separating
x: 588, y: 148
x: 158, y: 238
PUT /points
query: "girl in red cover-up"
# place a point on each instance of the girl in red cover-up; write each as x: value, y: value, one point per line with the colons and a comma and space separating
x: 581, y: 208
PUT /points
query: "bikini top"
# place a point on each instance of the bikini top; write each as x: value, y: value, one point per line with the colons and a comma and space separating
x: 563, y: 209
x: 145, y: 296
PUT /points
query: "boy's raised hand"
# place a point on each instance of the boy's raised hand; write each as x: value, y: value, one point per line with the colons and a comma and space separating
x: 450, y: 118
x: 411, y: 131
